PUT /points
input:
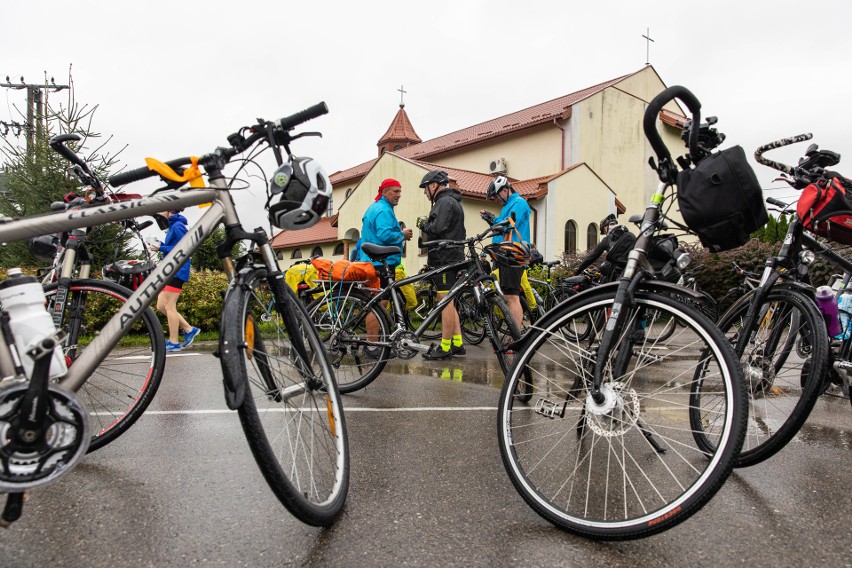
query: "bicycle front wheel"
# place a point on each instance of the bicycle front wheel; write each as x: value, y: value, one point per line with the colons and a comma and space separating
x: 291, y: 414
x: 124, y: 383
x: 784, y: 360
x: 341, y: 319
x: 472, y: 326
x: 629, y: 466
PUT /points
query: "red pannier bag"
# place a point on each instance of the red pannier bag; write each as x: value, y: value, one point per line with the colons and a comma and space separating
x: 824, y: 209
x: 346, y: 270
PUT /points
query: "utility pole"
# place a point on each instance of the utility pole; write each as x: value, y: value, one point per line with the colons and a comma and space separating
x: 35, y: 106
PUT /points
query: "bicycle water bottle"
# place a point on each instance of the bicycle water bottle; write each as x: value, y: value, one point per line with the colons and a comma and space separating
x: 826, y: 301
x: 844, y: 304
x: 22, y: 297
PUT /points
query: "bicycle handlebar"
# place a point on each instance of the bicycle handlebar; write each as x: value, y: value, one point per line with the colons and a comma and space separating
x: 446, y: 243
x: 649, y: 123
x: 758, y: 154
x: 238, y: 144
x: 777, y: 203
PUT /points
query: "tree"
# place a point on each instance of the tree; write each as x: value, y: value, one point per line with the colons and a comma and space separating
x: 206, y: 258
x: 34, y: 176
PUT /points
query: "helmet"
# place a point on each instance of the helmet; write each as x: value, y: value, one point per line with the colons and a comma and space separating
x: 305, y: 193
x: 509, y: 253
x: 536, y: 257
x: 498, y: 183
x: 610, y: 219
x: 438, y: 176
x: 42, y: 248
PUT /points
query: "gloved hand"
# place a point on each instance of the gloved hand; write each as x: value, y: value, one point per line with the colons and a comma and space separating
x: 487, y: 216
x: 420, y: 222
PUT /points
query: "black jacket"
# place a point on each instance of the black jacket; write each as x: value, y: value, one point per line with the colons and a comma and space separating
x: 445, y: 221
x: 617, y: 256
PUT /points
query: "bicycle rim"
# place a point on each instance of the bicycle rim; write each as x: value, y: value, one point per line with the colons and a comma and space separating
x: 124, y: 383
x: 630, y: 467
x: 341, y: 321
x: 784, y: 365
x: 472, y: 327
x: 292, y: 414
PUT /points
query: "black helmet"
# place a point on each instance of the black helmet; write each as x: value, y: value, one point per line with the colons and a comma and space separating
x: 438, y: 176
x: 305, y: 193
x: 43, y: 248
x: 610, y: 219
x: 497, y: 184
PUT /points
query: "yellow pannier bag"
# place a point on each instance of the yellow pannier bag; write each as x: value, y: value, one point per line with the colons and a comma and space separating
x: 407, y: 290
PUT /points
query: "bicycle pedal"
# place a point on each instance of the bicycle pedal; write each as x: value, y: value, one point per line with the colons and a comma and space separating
x: 13, y: 509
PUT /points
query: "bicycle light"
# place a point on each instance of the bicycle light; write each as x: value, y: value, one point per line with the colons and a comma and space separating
x: 682, y: 258
x: 807, y: 257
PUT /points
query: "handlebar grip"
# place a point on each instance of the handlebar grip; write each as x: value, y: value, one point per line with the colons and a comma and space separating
x: 758, y: 154
x: 777, y: 203
x: 290, y: 122
x: 649, y: 123
x: 138, y: 174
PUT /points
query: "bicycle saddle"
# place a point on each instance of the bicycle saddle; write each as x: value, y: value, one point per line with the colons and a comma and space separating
x: 378, y: 252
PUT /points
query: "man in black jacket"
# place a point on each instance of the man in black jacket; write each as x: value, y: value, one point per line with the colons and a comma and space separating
x: 617, y: 243
x: 445, y: 221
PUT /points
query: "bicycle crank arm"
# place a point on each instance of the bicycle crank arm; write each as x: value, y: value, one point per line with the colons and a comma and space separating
x: 413, y: 345
x: 844, y: 369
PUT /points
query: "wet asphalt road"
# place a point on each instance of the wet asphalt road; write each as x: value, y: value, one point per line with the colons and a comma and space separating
x: 428, y: 488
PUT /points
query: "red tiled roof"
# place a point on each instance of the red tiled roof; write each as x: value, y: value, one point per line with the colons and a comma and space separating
x: 400, y: 130
x: 325, y: 231
x: 672, y: 119
x: 559, y: 108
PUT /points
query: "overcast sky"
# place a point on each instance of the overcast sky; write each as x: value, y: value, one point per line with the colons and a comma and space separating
x: 174, y: 78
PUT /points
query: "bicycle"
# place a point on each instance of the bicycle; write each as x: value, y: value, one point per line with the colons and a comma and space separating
x: 276, y: 374
x: 607, y: 450
x: 340, y: 315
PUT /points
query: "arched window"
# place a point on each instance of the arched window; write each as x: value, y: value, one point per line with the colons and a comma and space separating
x: 397, y: 147
x: 316, y: 252
x: 592, y: 236
x: 338, y: 250
x: 570, y: 237
x: 296, y: 253
x: 349, y: 192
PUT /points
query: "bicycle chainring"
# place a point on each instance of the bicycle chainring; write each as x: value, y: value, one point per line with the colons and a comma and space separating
x: 404, y: 352
x: 64, y: 442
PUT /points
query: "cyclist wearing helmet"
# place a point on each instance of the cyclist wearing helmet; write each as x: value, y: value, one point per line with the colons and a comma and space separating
x: 617, y: 244
x: 380, y: 227
x: 514, y: 207
x: 445, y: 221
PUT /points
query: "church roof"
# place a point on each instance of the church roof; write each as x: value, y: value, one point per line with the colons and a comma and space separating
x: 324, y: 231
x: 400, y: 130
x: 556, y: 109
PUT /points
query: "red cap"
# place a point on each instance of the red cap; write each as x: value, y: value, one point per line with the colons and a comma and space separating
x: 390, y: 182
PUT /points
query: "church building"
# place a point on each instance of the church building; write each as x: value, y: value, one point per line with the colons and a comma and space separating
x: 575, y: 159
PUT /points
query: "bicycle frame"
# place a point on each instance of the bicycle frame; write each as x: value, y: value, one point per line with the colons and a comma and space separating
x: 221, y: 209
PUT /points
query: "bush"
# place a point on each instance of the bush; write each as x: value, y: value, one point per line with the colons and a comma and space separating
x: 201, y: 301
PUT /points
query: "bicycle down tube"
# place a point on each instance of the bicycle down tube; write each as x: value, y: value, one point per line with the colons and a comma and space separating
x: 222, y: 208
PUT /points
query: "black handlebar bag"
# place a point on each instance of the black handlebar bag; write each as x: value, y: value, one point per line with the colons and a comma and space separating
x: 721, y: 200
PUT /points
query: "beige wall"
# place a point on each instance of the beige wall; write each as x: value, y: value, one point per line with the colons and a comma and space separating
x: 285, y: 256
x: 532, y: 154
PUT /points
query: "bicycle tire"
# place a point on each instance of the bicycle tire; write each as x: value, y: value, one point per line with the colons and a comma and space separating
x: 340, y: 322
x: 593, y: 470
x: 428, y: 299
x: 782, y: 387
x: 504, y: 329
x: 472, y: 327
x: 124, y: 383
x: 292, y: 415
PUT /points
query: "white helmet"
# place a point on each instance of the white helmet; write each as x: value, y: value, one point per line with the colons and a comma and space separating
x: 305, y: 194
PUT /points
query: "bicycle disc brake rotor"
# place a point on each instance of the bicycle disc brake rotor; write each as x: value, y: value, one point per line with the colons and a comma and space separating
x: 64, y: 443
x: 617, y: 414
x: 404, y: 352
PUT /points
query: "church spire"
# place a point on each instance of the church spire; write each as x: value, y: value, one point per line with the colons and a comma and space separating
x: 400, y: 133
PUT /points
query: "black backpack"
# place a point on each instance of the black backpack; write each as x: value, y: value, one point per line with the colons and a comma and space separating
x: 721, y: 200
x: 622, y: 243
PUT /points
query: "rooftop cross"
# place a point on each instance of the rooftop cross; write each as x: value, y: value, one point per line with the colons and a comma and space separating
x: 402, y: 92
x: 648, y: 41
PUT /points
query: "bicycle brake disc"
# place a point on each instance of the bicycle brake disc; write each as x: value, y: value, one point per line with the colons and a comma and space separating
x: 63, y: 444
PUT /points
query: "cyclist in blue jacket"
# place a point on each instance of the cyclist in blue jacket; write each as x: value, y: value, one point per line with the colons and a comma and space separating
x: 514, y: 207
x: 167, y: 300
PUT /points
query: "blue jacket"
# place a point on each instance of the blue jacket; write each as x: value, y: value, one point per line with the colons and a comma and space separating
x: 380, y: 227
x: 177, y: 229
x: 517, y: 205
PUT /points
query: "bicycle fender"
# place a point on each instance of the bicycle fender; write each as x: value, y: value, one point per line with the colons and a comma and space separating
x: 233, y: 364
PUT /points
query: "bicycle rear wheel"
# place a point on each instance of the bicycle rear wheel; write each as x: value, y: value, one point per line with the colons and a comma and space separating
x: 291, y: 414
x: 784, y: 362
x: 629, y: 467
x: 124, y: 383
